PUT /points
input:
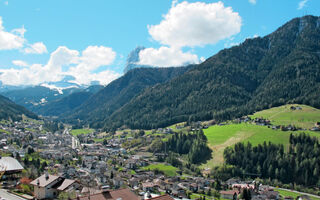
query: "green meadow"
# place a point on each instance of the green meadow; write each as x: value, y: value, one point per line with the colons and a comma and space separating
x: 76, y: 132
x: 283, y: 115
x: 220, y: 137
x: 285, y: 193
x: 166, y: 169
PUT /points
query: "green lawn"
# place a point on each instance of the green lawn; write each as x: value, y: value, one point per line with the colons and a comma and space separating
x: 220, y: 137
x: 76, y: 132
x: 285, y: 193
x: 4, y: 131
x: 166, y: 169
x: 283, y: 115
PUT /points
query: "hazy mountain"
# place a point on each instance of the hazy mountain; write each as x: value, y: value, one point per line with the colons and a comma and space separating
x: 67, y: 103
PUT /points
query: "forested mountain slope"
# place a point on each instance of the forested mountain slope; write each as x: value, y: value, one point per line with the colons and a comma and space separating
x: 10, y: 110
x: 101, y: 105
x: 283, y: 67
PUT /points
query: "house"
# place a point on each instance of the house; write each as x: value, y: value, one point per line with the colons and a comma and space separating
x: 123, y: 194
x: 49, y: 186
x: 147, y: 186
x: 133, y: 182
x: 117, y: 182
x: 12, y: 169
x: 271, y: 194
x: 231, y: 194
x: 44, y: 186
x: 303, y: 197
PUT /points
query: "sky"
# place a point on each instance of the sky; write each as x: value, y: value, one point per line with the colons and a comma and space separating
x: 46, y: 41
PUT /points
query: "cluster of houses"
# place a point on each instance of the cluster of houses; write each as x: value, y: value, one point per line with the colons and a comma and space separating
x: 100, y: 170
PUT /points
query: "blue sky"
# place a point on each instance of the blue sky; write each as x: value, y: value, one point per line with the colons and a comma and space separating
x: 43, y: 41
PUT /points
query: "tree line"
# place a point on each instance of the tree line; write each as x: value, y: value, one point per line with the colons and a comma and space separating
x: 298, y: 164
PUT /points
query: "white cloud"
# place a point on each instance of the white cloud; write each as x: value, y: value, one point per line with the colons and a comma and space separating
x: 302, y: 4
x: 15, y: 40
x: 166, y: 57
x: 36, y: 48
x: 253, y: 1
x: 81, y: 67
x: 10, y: 40
x: 6, y: 3
x: 196, y: 24
x: 20, y: 31
x: 20, y: 63
x: 94, y: 56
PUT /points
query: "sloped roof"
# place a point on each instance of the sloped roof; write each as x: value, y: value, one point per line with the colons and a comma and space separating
x: 9, y: 164
x: 43, y: 182
x: 123, y: 194
x: 65, y: 184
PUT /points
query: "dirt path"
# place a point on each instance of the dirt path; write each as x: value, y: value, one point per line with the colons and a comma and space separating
x: 217, y: 154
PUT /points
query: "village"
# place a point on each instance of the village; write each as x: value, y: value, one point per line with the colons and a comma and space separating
x: 39, y: 164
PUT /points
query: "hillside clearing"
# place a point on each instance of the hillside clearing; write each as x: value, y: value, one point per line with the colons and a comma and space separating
x: 166, y: 169
x: 76, y: 132
x: 220, y: 137
x: 306, y: 117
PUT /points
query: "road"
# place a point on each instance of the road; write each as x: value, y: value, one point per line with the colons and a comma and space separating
x: 8, y: 196
x: 303, y: 193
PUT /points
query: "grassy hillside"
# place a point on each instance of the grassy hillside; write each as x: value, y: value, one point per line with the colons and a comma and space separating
x: 283, y: 115
x: 220, y: 137
x: 166, y: 169
x: 76, y: 132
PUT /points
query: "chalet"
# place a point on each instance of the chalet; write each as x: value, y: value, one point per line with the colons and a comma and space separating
x: 11, y: 168
x: 49, y: 186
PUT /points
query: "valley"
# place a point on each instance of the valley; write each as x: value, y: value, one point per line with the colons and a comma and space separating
x: 245, y: 121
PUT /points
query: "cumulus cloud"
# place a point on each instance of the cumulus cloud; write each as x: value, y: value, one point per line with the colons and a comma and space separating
x: 15, y: 40
x: 94, y: 56
x: 189, y: 25
x: 11, y: 40
x: 166, y: 57
x: 20, y: 63
x: 196, y: 24
x: 36, y: 48
x: 302, y: 4
x: 253, y: 1
x: 80, y: 66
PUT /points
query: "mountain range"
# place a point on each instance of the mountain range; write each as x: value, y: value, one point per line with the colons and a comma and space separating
x: 282, y: 67
x: 101, y: 105
x: 262, y: 72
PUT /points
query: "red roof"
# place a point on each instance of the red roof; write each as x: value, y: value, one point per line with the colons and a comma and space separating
x: 124, y: 194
